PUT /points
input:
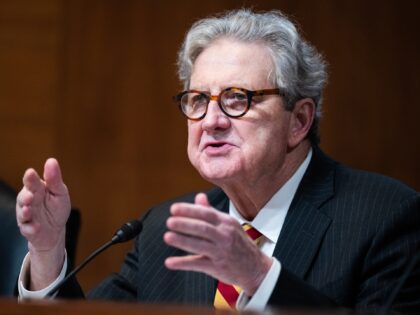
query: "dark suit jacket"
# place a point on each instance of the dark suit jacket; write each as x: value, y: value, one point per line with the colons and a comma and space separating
x: 346, y: 241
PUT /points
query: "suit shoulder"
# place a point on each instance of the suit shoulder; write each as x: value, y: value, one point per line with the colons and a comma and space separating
x: 372, y: 186
x: 369, y: 202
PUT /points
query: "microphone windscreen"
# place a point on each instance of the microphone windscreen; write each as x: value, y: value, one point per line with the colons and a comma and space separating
x: 127, y: 232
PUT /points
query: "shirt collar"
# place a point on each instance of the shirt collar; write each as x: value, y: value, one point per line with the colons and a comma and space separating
x: 269, y: 220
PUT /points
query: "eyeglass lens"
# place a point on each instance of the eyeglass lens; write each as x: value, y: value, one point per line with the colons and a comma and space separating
x: 233, y: 101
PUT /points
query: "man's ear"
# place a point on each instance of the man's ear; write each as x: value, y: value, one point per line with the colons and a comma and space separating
x: 301, y: 120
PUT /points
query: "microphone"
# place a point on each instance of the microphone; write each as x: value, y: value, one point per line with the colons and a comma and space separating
x: 125, y: 233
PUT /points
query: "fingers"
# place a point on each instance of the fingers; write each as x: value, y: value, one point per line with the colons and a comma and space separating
x: 200, y: 229
x: 42, y: 209
x: 24, y: 198
x: 32, y: 185
x: 201, y: 199
x: 189, y: 244
x: 24, y: 215
x: 198, y: 219
x: 31, y: 193
x: 217, y: 245
x: 193, y: 227
x: 29, y: 229
x: 32, y: 181
x: 195, y: 211
x: 53, y: 178
x: 198, y: 263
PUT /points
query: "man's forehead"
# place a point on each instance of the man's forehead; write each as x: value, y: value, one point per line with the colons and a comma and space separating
x: 233, y: 64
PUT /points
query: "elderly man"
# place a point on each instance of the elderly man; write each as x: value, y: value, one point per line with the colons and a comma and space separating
x: 318, y: 234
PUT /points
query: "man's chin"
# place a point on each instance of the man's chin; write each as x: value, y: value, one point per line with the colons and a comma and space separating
x: 217, y: 176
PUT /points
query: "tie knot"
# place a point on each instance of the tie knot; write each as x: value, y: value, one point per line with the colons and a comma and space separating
x: 253, y: 233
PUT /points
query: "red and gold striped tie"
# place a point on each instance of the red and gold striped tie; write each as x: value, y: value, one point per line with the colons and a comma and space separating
x: 227, y: 294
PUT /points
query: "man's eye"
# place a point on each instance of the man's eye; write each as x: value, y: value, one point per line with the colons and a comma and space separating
x: 239, y: 96
x: 198, y: 99
x: 235, y: 99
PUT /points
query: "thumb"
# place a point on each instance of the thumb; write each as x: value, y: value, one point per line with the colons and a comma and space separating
x: 53, y: 178
x: 201, y: 199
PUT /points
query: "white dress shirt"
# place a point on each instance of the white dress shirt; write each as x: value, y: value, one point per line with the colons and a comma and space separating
x: 269, y: 222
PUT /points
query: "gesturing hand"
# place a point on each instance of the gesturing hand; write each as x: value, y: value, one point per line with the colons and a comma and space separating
x: 218, y: 245
x: 42, y: 210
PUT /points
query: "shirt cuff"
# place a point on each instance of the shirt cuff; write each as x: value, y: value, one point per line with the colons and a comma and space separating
x: 23, y: 279
x: 260, y: 298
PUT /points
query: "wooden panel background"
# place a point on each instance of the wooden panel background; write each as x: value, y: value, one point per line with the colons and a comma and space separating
x: 90, y: 82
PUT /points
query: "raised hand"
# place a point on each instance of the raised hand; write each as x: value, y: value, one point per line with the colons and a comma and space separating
x: 218, y: 245
x: 42, y: 210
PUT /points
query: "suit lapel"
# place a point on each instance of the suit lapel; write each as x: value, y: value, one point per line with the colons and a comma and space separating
x: 301, y: 237
x: 201, y: 288
x: 305, y: 224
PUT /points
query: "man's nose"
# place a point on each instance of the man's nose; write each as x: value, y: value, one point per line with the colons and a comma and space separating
x: 215, y: 118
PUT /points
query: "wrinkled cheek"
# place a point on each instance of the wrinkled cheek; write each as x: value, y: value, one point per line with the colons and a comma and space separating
x: 192, y: 150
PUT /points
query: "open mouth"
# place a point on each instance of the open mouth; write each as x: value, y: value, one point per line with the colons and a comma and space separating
x: 216, y: 145
x: 217, y: 148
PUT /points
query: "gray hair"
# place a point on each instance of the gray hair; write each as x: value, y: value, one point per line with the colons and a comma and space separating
x: 300, y: 70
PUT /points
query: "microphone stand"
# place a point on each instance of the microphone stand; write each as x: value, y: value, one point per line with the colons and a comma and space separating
x: 127, y: 232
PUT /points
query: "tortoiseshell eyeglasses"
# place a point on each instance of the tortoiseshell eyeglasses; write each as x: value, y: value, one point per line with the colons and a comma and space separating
x: 234, y: 102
